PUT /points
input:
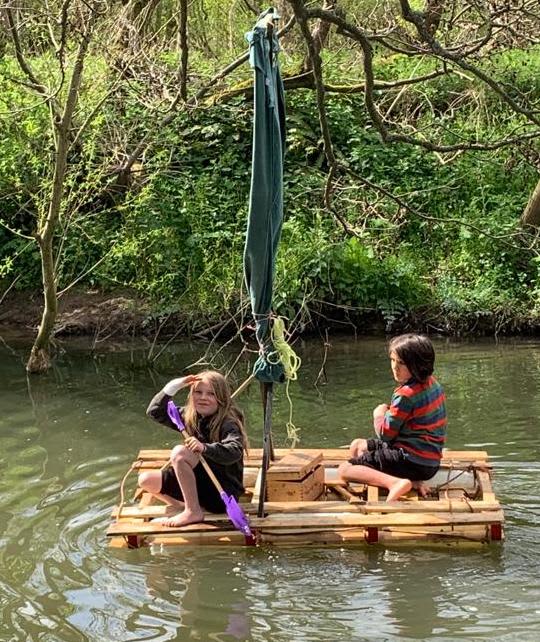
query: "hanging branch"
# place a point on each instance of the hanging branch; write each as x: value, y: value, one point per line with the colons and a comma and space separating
x: 434, y: 219
x: 316, y: 66
x: 418, y: 20
x: 173, y: 111
x: 34, y: 82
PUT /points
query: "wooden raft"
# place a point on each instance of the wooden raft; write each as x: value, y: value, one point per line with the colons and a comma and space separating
x: 308, y: 504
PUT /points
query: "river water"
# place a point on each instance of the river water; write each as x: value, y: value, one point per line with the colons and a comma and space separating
x: 68, y: 438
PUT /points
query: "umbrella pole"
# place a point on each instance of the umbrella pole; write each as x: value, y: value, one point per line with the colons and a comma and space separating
x: 268, y: 447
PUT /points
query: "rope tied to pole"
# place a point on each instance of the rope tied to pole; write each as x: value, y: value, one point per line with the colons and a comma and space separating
x: 291, y: 363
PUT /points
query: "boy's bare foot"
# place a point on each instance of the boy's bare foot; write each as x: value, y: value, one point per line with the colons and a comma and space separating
x: 398, y: 489
x: 181, y: 519
x: 422, y: 489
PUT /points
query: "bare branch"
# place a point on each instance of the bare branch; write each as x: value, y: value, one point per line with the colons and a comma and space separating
x: 316, y: 65
x: 145, y: 142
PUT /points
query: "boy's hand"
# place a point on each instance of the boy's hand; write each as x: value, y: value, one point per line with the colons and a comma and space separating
x: 380, y: 410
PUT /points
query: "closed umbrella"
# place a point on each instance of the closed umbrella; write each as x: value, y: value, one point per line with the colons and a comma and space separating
x: 265, y: 208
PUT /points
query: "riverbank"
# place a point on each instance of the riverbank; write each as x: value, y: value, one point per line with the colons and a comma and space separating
x: 122, y: 312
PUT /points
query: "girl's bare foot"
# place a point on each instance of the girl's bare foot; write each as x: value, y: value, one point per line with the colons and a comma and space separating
x: 398, y: 489
x: 173, y: 509
x: 181, y: 519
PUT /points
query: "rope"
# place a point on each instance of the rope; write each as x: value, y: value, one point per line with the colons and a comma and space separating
x: 288, y: 357
x: 134, y: 465
x: 291, y: 364
x: 449, y: 479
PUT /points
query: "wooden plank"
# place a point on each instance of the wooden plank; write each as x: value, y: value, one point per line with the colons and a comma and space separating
x: 372, y: 494
x: 231, y: 538
x: 252, y: 465
x: 464, y: 455
x: 314, y: 520
x: 337, y: 455
x: 460, y: 536
x: 257, y: 490
x: 430, y: 506
x: 118, y: 542
x: 357, y: 488
x: 150, y: 528
x: 458, y: 506
x: 296, y: 465
x: 317, y: 538
x: 484, y: 481
x: 340, y: 489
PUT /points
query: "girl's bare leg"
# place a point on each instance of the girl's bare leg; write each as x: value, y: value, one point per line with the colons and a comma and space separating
x: 150, y: 481
x: 184, y: 461
x: 396, y: 486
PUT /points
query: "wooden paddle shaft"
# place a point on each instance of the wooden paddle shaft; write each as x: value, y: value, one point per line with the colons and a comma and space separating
x: 206, y: 467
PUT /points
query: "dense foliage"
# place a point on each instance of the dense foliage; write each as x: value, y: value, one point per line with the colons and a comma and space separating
x: 453, y: 258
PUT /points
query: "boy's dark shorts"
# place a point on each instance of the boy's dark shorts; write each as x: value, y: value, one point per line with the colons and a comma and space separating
x: 209, y: 498
x: 393, y: 461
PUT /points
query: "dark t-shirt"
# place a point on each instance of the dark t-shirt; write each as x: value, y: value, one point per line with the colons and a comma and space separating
x: 225, y: 457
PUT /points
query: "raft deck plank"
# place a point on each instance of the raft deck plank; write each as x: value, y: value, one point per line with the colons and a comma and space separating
x: 331, y: 456
x: 450, y: 506
x: 319, y: 521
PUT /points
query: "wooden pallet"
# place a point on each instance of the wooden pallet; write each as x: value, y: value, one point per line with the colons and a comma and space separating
x: 464, y: 509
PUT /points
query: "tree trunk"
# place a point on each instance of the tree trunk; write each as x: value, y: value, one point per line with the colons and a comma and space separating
x: 39, y: 360
x: 531, y: 214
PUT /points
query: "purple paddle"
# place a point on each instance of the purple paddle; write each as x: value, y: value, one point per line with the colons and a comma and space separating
x: 234, y: 512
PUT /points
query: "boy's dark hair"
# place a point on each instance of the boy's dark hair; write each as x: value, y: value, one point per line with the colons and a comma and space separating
x: 417, y: 353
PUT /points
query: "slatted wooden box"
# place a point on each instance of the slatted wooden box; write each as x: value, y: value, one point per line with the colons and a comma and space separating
x: 298, y: 477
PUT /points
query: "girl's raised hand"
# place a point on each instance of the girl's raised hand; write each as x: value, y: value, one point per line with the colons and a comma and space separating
x: 177, y: 384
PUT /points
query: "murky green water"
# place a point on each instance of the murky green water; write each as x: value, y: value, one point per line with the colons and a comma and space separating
x: 68, y: 438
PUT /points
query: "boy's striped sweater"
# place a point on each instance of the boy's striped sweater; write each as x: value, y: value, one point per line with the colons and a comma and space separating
x: 416, y: 421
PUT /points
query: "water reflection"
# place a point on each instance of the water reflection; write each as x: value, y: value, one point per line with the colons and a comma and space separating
x: 197, y: 607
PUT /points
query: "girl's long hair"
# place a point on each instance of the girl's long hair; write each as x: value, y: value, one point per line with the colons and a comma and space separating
x: 227, y: 410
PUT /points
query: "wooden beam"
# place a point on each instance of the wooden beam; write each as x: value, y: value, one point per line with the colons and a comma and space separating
x: 484, y: 481
x: 349, y: 506
x: 319, y: 520
x: 336, y: 455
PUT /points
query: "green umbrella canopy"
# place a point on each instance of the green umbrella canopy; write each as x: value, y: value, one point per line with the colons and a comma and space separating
x: 266, y: 195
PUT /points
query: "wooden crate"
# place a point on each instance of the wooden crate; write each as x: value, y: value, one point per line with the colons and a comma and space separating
x: 298, y: 477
